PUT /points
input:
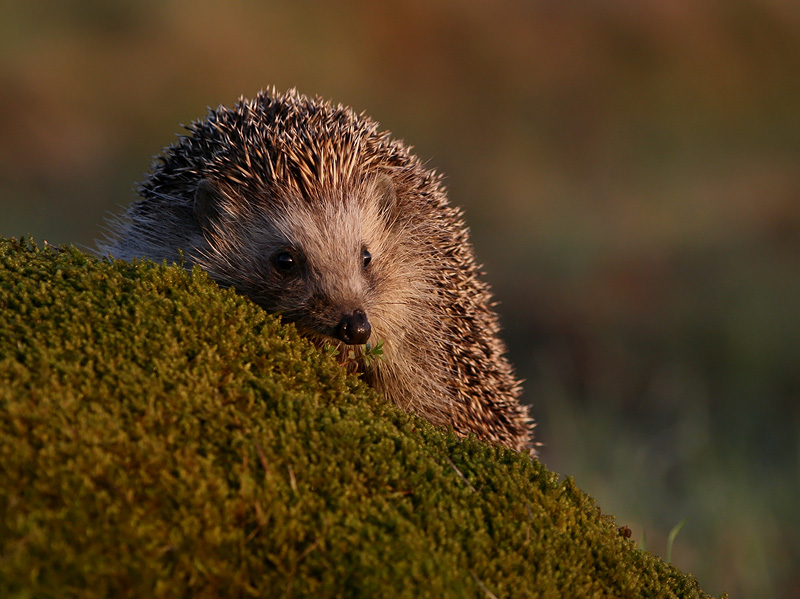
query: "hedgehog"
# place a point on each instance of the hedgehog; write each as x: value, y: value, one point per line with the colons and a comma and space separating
x: 317, y: 215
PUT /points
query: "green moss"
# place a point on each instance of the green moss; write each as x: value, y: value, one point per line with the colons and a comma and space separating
x: 160, y: 437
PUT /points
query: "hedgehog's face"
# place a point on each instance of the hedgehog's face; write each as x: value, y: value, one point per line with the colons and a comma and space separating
x: 318, y: 269
x: 327, y: 264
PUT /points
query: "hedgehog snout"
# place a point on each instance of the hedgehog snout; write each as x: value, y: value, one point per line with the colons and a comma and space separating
x: 354, y: 328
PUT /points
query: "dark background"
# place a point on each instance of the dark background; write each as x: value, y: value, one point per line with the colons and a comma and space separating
x: 629, y: 170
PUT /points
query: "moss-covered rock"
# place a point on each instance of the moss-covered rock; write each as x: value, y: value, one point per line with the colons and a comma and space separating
x: 160, y: 437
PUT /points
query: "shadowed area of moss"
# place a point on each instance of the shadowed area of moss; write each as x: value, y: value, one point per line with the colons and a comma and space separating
x: 160, y: 437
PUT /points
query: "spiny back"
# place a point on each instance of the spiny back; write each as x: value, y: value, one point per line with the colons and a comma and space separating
x: 284, y: 140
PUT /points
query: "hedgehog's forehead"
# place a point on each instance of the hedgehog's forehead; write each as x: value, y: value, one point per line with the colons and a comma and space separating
x: 336, y: 219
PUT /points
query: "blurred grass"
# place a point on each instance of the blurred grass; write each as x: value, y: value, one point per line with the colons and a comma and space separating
x: 630, y: 173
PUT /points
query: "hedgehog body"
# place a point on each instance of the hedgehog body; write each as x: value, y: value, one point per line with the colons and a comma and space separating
x: 312, y: 212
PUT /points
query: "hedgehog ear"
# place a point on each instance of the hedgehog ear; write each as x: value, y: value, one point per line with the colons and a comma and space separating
x: 382, y: 188
x: 207, y: 199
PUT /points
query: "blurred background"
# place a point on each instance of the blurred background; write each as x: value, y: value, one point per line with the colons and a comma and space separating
x: 630, y: 172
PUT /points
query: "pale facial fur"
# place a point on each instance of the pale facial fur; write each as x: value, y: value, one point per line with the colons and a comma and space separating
x: 326, y: 238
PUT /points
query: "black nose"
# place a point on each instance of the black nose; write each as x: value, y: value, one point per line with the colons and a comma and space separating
x: 354, y: 328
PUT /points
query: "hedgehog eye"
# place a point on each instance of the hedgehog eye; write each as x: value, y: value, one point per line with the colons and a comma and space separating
x: 366, y: 257
x: 284, y: 262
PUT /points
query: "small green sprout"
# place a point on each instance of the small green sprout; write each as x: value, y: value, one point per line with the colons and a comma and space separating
x: 372, y: 353
x: 671, y: 538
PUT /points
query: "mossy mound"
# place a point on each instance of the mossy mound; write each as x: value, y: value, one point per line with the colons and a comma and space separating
x: 160, y: 437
